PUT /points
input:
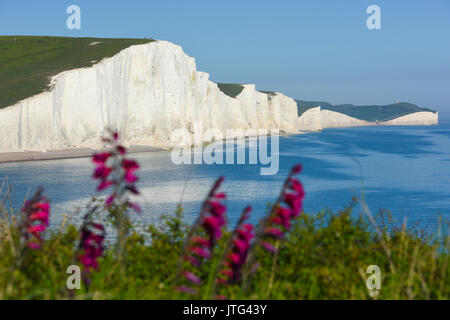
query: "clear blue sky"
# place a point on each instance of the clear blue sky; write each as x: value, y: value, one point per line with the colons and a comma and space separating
x: 311, y: 50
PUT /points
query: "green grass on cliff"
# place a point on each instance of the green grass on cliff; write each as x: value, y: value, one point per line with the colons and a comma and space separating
x: 231, y: 89
x: 369, y: 113
x: 27, y: 63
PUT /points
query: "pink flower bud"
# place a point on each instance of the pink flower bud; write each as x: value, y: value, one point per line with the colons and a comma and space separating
x: 191, y: 277
x: 36, y: 229
x: 34, y: 245
x: 297, y: 169
x: 100, y: 158
x: 102, y: 172
x: 268, y: 246
x: 109, y: 201
x: 200, y: 252
x: 273, y: 232
x: 104, y: 185
x: 130, y: 177
x: 129, y: 165
x: 135, y: 207
x: 122, y: 150
x: 186, y: 289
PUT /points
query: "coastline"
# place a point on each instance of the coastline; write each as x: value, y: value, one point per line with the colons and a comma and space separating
x: 77, y: 105
x: 73, y: 153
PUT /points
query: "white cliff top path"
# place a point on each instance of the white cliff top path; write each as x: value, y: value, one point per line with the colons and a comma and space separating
x: 146, y: 92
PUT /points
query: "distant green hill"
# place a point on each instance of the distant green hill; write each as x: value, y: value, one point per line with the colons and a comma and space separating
x: 302, y: 106
x: 27, y: 63
x: 368, y: 113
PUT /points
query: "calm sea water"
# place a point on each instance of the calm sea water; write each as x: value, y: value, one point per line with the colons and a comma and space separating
x: 403, y: 169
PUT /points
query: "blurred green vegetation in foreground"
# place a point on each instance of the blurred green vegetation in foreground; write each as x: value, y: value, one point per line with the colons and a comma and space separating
x: 323, y: 256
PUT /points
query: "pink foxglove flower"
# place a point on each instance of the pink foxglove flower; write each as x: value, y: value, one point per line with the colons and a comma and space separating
x: 186, y: 289
x: 35, y: 221
x: 114, y: 170
x: 91, y: 245
x: 135, y: 207
x: 102, y: 172
x: 287, y: 208
x: 200, y: 252
x: 236, y: 257
x: 105, y: 184
x: 191, y: 277
x: 205, y: 233
x: 268, y: 246
x: 100, y: 158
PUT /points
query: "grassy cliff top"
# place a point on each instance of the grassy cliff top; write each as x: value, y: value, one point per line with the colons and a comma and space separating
x: 27, y: 63
x: 230, y: 89
x: 369, y: 113
x: 269, y: 93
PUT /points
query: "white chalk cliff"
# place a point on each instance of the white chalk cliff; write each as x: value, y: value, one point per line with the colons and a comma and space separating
x: 146, y: 92
x: 310, y: 120
x: 424, y: 118
x: 332, y: 119
x: 315, y: 119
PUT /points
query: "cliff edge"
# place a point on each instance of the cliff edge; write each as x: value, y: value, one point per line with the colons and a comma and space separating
x: 145, y: 91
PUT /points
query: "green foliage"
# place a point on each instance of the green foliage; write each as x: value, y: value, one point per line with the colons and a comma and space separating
x: 303, y: 106
x: 324, y: 256
x: 270, y: 93
x: 27, y: 63
x: 230, y: 89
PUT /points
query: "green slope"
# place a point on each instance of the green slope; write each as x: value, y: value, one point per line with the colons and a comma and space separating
x: 302, y: 105
x: 27, y: 63
x: 230, y: 89
x: 267, y: 92
x: 369, y: 113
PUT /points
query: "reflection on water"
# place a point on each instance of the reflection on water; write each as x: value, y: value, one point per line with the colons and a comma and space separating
x: 403, y: 169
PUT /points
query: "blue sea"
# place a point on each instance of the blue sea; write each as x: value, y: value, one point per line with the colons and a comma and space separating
x: 405, y: 170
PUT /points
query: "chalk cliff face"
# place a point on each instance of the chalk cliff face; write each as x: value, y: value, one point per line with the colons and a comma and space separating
x: 418, y: 118
x: 310, y: 120
x: 316, y: 119
x: 146, y: 92
x: 268, y: 111
x: 331, y: 119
